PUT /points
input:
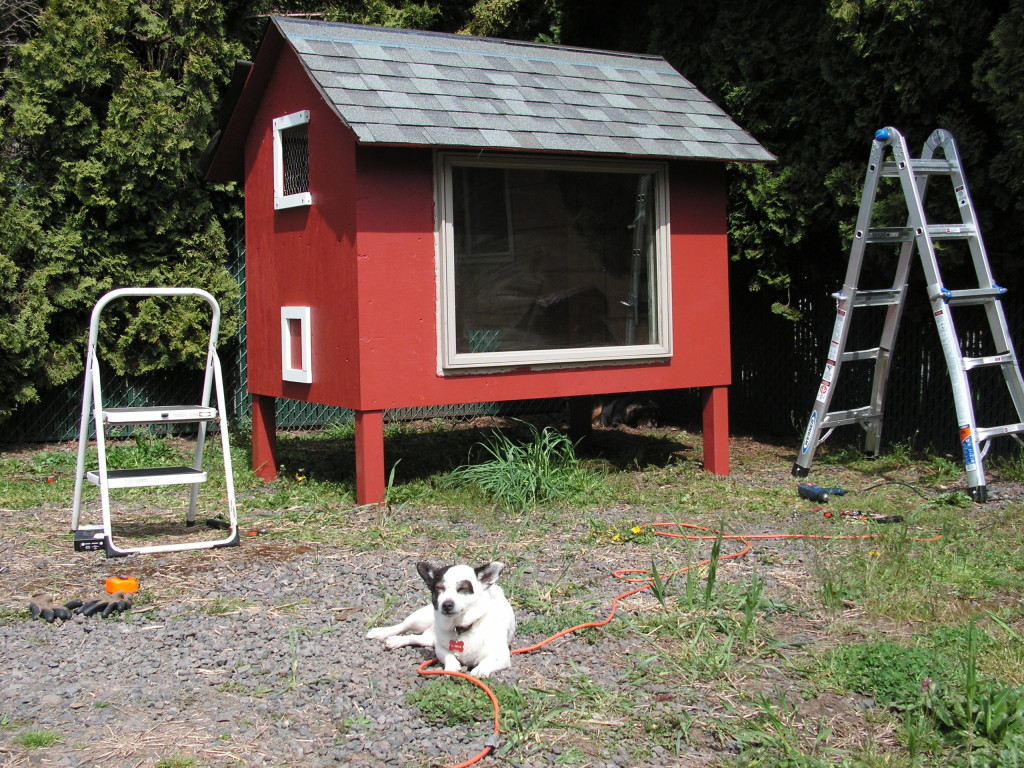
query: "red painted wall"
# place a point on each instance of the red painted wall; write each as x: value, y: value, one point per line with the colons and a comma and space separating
x: 302, y: 256
x: 363, y: 257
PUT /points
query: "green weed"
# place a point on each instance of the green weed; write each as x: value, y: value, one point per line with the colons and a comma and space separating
x: 772, y: 738
x: 984, y: 719
x: 145, y: 450
x: 521, y: 475
x: 891, y: 674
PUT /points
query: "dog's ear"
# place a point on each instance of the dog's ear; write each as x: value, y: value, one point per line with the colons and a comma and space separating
x: 488, y: 574
x: 426, y: 572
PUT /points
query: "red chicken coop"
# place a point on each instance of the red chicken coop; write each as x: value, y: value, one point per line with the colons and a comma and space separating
x: 437, y: 219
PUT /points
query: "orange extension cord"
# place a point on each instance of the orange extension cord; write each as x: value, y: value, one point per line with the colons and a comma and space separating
x: 629, y: 575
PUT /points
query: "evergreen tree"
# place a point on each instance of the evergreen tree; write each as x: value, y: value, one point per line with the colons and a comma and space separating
x: 812, y: 81
x: 103, y: 114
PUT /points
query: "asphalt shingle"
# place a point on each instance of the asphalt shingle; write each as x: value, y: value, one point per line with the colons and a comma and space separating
x: 427, y: 89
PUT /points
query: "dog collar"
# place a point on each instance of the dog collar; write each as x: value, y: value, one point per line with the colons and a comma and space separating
x: 465, y: 629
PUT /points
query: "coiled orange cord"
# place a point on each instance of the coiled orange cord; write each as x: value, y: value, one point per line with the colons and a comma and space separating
x: 627, y: 574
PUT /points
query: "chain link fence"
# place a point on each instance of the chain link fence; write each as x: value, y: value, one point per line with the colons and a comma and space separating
x: 777, y: 367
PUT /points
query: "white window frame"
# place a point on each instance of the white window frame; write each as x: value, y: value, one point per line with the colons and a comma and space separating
x: 281, y: 200
x: 303, y: 375
x: 451, y: 361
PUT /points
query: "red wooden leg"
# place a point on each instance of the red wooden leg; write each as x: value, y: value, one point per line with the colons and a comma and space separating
x: 264, y: 436
x: 716, y: 430
x: 370, y: 487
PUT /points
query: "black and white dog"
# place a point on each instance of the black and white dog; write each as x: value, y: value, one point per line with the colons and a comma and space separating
x: 469, y: 622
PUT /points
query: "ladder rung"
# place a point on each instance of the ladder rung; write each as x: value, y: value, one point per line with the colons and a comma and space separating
x: 907, y: 234
x: 852, y: 416
x: 861, y: 354
x: 920, y: 167
x: 967, y: 296
x: 141, y: 478
x: 889, y: 235
x: 984, y: 433
x: 1003, y: 358
x: 951, y: 231
x: 880, y: 297
x: 157, y: 414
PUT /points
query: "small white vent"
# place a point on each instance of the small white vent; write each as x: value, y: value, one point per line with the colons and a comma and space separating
x: 291, y: 161
x: 296, y: 345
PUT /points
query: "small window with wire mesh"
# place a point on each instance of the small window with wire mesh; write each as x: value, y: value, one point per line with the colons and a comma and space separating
x: 291, y: 161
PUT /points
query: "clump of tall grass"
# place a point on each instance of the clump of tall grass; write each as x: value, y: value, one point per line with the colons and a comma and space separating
x: 520, y: 476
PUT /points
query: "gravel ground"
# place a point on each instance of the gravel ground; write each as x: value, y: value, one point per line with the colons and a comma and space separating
x: 255, y: 655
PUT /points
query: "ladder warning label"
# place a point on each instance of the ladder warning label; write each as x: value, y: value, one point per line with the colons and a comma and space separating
x: 961, y: 195
x: 967, y: 445
x: 826, y: 380
x: 837, y: 329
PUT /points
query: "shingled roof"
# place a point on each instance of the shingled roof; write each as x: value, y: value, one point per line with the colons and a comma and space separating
x: 402, y: 87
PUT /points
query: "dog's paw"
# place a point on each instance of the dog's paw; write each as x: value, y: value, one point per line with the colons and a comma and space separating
x: 378, y: 633
x: 485, y: 670
x: 395, y: 642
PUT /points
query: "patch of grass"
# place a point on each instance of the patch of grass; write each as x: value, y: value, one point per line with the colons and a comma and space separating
x: 942, y: 469
x: 903, y: 574
x: 774, y: 737
x: 12, y: 614
x: 981, y: 719
x: 177, y: 761
x: 144, y: 450
x: 220, y: 606
x: 519, y: 476
x: 602, y: 532
x: 892, y: 674
x: 1010, y: 467
x: 33, y: 739
x: 357, y: 723
x: 449, y: 702
x: 550, y: 624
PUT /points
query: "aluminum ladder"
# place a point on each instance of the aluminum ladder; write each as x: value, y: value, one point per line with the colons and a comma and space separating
x: 94, y: 537
x: 914, y: 175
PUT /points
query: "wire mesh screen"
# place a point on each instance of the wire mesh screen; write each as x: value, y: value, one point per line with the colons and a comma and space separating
x: 295, y: 159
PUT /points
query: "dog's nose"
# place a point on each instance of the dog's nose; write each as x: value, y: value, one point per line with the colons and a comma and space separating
x: 448, y: 606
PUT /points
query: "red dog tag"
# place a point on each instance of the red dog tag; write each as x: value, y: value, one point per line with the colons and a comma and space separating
x: 455, y: 645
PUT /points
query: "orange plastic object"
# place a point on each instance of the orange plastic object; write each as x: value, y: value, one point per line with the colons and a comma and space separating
x: 118, y: 584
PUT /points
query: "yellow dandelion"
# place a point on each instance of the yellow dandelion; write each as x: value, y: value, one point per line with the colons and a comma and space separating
x: 874, y: 554
x: 635, y: 529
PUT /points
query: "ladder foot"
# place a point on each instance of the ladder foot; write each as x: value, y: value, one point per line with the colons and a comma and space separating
x: 234, y: 541
x: 978, y: 494
x: 110, y: 551
x: 799, y: 471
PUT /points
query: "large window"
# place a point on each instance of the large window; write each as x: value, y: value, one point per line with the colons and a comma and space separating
x: 551, y: 262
